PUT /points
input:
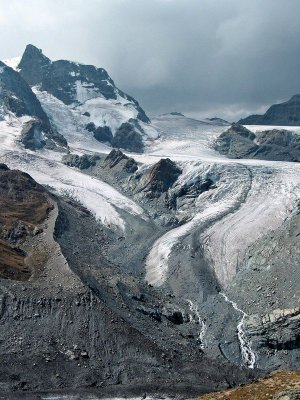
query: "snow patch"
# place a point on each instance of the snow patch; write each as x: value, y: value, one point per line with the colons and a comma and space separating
x: 13, y: 62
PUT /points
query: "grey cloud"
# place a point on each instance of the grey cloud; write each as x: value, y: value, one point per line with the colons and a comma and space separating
x: 201, y: 57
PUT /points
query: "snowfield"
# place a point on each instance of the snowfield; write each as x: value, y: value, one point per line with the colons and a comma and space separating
x: 98, y: 197
x: 71, y: 121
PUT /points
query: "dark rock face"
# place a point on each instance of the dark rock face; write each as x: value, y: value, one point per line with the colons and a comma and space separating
x: 277, y: 330
x: 218, y: 121
x: 17, y: 96
x: 274, y: 145
x: 236, y: 142
x: 34, y: 137
x: 177, y: 114
x: 21, y: 199
x: 81, y: 162
x: 91, y: 127
x: 127, y: 137
x: 159, y: 178
x: 287, y: 113
x: 23, y: 205
x: 3, y: 167
x: 62, y: 78
x: 103, y: 134
x: 32, y: 65
x: 117, y: 158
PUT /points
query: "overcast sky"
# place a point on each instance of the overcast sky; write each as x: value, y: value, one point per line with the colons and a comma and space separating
x: 201, y: 57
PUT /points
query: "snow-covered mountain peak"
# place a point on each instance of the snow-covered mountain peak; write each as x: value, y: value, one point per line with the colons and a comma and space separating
x: 96, y: 107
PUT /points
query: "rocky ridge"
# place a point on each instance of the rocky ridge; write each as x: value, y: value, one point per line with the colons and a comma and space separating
x: 285, y: 114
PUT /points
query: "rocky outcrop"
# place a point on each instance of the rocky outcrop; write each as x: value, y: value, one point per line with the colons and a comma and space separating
x: 188, y: 192
x: 24, y: 205
x: 274, y: 145
x: 34, y: 137
x: 82, y: 162
x: 17, y: 97
x: 103, y: 134
x: 128, y: 137
x: 159, y: 178
x: 286, y: 114
x: 277, y: 330
x: 118, y: 159
x: 236, y: 142
x: 217, y: 121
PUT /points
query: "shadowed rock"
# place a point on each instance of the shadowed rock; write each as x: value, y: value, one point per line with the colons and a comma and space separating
x: 82, y: 162
x: 274, y: 145
x: 159, y: 178
x: 287, y: 113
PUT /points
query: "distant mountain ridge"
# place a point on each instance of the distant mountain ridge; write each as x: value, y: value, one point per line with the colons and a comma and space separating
x: 282, y: 114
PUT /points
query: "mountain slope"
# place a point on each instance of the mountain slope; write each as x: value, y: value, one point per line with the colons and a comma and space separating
x: 18, y: 100
x: 283, y: 114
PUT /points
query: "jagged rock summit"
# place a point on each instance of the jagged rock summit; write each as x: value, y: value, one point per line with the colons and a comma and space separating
x: 282, y: 114
x: 83, y: 99
x: 71, y: 82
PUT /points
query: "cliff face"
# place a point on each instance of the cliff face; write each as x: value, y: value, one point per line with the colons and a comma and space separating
x: 283, y: 114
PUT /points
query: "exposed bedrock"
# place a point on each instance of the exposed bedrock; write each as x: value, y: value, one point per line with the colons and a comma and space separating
x: 82, y: 162
x: 274, y: 145
x: 159, y: 178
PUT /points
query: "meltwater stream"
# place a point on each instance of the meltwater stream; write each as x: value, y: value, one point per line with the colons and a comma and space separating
x: 202, y: 323
x: 248, y: 355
